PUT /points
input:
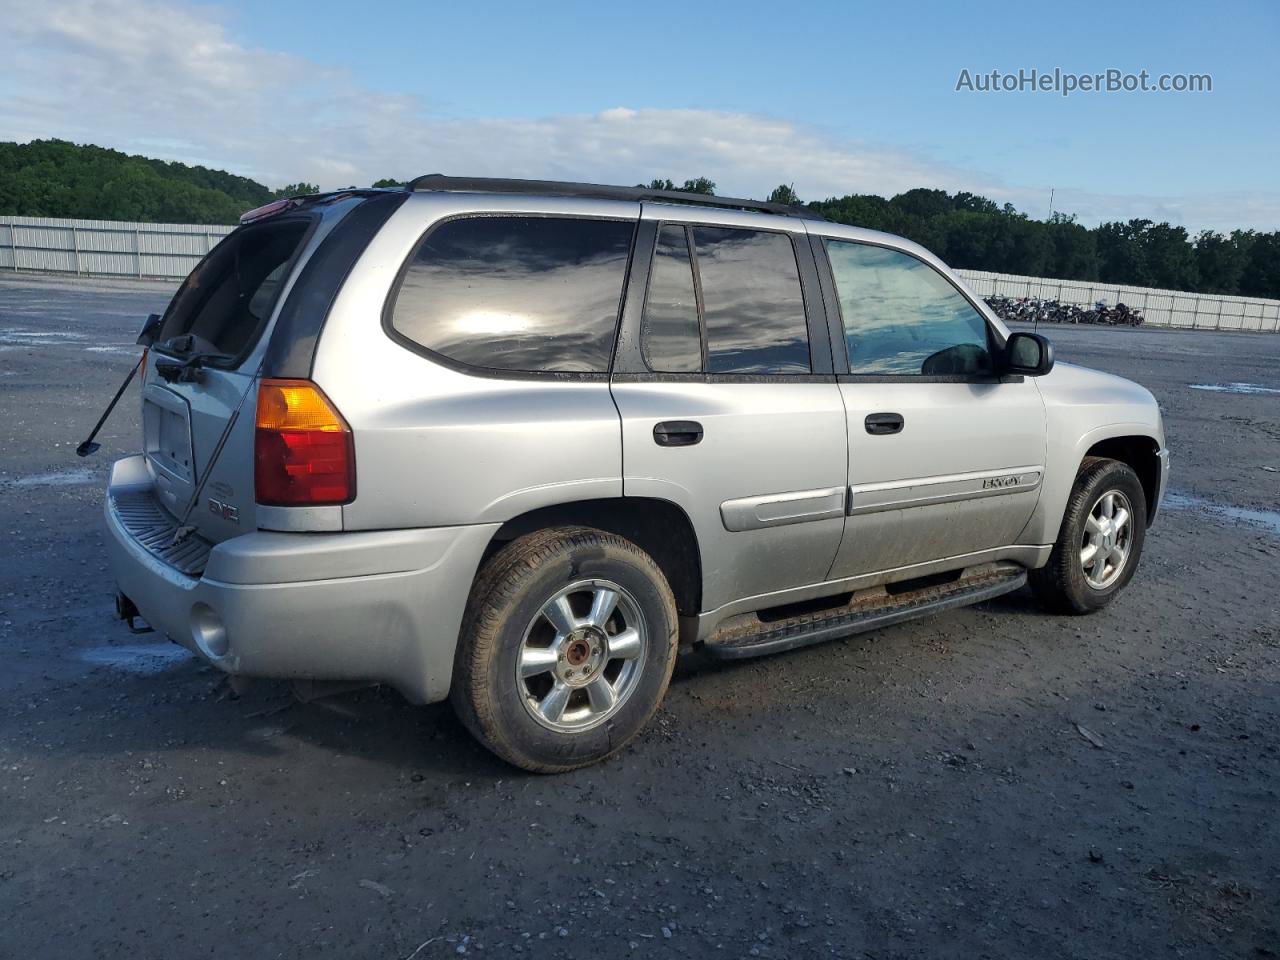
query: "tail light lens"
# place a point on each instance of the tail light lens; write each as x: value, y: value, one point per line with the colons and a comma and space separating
x: 304, y: 454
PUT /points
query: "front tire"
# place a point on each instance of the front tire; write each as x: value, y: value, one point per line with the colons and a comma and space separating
x: 567, y: 646
x: 1099, y: 543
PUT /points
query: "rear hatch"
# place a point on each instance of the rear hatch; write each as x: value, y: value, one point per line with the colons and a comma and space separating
x: 202, y: 370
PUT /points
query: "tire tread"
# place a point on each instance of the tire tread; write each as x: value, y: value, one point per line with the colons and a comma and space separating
x: 495, y: 591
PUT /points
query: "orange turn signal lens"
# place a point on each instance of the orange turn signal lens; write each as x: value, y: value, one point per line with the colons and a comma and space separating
x: 303, y: 449
x: 296, y: 405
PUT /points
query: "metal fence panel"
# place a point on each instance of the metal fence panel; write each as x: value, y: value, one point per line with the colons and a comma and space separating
x: 1159, y: 308
x: 170, y: 250
x: 105, y: 248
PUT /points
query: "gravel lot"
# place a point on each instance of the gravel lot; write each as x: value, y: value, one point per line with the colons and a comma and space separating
x: 921, y: 792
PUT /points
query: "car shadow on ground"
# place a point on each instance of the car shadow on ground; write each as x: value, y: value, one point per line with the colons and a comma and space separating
x: 376, y: 724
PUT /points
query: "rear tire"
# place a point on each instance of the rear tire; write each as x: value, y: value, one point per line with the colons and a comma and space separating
x: 566, y: 649
x: 1100, y: 541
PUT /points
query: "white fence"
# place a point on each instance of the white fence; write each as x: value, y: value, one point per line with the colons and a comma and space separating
x: 169, y: 251
x: 104, y: 248
x: 1160, y: 308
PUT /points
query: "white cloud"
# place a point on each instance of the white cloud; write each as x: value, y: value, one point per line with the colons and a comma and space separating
x: 167, y: 79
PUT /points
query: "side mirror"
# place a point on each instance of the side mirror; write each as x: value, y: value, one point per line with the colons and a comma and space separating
x: 1028, y: 353
x: 150, y: 330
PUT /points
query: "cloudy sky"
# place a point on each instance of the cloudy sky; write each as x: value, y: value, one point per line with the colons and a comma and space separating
x: 833, y: 97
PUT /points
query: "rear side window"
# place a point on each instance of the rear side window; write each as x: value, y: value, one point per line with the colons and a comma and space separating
x: 901, y: 317
x: 752, y: 301
x: 670, y: 337
x: 751, y: 305
x: 517, y: 293
x: 226, y: 300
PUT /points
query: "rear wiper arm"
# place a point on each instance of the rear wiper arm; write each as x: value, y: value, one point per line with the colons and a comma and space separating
x: 189, y: 370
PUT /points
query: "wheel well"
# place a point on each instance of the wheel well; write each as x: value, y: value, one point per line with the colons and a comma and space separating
x: 658, y: 527
x: 1139, y: 453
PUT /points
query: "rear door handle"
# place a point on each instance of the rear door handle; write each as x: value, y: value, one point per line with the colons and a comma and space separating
x: 677, y: 433
x: 880, y: 424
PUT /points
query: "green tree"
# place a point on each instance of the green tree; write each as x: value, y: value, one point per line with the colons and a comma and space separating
x: 388, y: 183
x: 1075, y: 249
x: 699, y: 185
x: 1221, y: 260
x: 297, y: 190
x: 923, y: 203
x: 1261, y: 277
x: 1170, y: 257
x: 1121, y: 256
x: 55, y: 178
x: 784, y: 194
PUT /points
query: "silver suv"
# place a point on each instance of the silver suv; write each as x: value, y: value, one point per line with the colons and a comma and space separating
x: 516, y: 443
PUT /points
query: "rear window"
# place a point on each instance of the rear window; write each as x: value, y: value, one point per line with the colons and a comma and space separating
x: 537, y: 294
x: 225, y: 302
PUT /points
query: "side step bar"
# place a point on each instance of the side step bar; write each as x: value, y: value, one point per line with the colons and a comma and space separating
x: 748, y: 636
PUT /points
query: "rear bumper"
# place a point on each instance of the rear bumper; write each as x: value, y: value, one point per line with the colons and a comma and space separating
x: 383, y: 606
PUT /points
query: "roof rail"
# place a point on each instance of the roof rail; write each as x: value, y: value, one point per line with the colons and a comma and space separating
x: 598, y: 191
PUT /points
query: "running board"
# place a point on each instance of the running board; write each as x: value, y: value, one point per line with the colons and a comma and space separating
x: 748, y: 636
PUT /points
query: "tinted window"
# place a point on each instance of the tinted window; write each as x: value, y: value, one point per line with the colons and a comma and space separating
x: 226, y: 300
x: 518, y: 293
x: 670, y: 337
x: 751, y: 298
x: 903, y: 317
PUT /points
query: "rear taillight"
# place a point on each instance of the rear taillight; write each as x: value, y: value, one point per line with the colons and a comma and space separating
x: 303, y: 450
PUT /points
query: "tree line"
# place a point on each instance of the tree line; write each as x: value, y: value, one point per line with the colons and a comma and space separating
x: 970, y: 231
x: 55, y: 178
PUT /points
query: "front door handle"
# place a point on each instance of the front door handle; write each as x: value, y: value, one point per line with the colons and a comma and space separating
x: 677, y: 433
x: 880, y: 424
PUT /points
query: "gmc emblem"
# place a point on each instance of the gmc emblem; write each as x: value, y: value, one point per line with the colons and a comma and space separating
x: 224, y: 510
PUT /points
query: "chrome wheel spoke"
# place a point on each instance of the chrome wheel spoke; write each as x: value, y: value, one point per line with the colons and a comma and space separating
x: 586, y: 673
x: 601, y: 694
x: 1106, y: 541
x: 625, y: 645
x: 553, y: 704
x: 535, y: 661
x: 1099, y: 567
x: 603, y: 603
x: 560, y: 615
x: 1120, y: 519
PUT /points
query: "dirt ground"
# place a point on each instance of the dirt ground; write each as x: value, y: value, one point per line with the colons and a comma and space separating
x: 992, y: 782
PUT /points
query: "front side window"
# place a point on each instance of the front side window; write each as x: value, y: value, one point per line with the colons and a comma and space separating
x: 752, y: 304
x: 517, y: 293
x: 902, y: 317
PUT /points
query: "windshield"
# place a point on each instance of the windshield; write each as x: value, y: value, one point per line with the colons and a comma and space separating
x: 223, y: 305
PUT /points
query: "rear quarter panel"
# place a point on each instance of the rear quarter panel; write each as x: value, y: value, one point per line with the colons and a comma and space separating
x: 437, y: 446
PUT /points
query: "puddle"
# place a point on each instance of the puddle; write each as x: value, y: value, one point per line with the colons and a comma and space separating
x: 142, y: 659
x: 63, y: 478
x: 1269, y: 519
x: 1246, y: 388
x: 37, y: 338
